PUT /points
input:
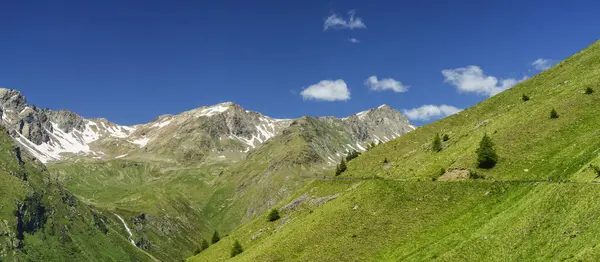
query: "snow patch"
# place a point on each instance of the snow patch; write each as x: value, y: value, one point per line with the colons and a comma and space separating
x: 141, y: 141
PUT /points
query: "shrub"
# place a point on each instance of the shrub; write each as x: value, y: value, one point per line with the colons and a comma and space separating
x: 445, y: 137
x: 215, y: 238
x: 474, y: 175
x: 385, y: 160
x: 203, y: 246
x: 273, y: 215
x: 436, y: 144
x: 553, y: 113
x: 486, y: 155
x: 596, y: 170
x: 589, y: 91
x: 525, y: 98
x: 442, y: 171
x: 236, y: 249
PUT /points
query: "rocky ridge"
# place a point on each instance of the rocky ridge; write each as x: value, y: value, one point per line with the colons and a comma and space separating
x: 225, y: 131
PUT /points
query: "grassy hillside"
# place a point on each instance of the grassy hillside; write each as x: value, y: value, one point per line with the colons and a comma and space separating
x: 525, y: 136
x: 40, y: 220
x: 390, y: 209
x: 164, y: 206
x: 380, y: 220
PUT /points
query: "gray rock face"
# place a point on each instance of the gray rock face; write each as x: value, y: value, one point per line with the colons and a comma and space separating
x: 31, y: 122
x: 222, y: 131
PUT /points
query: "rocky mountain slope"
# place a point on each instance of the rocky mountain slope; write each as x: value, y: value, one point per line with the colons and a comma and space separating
x: 40, y: 220
x: 224, y: 131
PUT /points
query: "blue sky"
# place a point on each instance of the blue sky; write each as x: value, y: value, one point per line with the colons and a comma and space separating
x: 130, y: 61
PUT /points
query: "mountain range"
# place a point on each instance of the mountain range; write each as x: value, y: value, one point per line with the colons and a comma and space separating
x: 167, y: 184
x: 224, y: 131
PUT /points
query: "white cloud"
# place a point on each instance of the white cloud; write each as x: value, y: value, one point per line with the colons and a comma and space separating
x: 427, y: 112
x: 327, y: 90
x: 385, y: 84
x: 542, y: 64
x: 471, y: 79
x: 334, y: 21
x: 353, y: 40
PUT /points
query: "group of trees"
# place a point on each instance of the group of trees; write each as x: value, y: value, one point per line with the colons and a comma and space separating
x: 235, y: 250
x: 486, y: 154
x: 204, y: 244
x: 553, y: 113
x: 340, y: 168
x: 436, y: 144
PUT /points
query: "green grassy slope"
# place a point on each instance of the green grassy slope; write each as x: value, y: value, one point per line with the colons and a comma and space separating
x: 398, y: 213
x: 381, y: 220
x: 40, y: 220
x: 525, y: 137
x: 164, y: 206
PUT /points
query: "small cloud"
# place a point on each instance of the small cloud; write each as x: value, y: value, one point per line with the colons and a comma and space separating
x: 385, y: 84
x: 428, y: 112
x: 471, y: 79
x: 327, y: 90
x: 353, y: 40
x: 542, y: 64
x: 334, y: 21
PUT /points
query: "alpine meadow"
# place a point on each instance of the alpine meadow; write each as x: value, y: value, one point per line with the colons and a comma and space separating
x: 280, y: 131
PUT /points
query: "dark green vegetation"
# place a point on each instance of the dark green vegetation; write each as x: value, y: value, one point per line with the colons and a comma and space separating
x: 203, y: 245
x: 525, y: 98
x: 486, y: 155
x: 215, y: 238
x: 553, y: 113
x: 236, y: 249
x: 536, y: 203
x: 273, y: 215
x: 339, y: 169
x: 436, y: 144
x: 589, y: 91
x: 40, y: 220
x: 445, y: 138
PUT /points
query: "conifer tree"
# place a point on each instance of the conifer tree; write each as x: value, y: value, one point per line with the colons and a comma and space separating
x: 203, y: 246
x: 436, y: 144
x: 553, y: 113
x: 486, y: 155
x: 525, y: 98
x: 236, y: 249
x: 215, y: 238
x: 589, y: 91
x: 273, y: 215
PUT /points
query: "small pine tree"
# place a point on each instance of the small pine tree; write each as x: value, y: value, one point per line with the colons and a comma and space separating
x: 553, y: 113
x: 236, y: 249
x: 215, y: 238
x: 589, y: 91
x: 486, y: 155
x: 525, y: 98
x: 273, y: 215
x: 385, y: 160
x: 445, y: 137
x: 436, y: 144
x: 342, y: 166
x: 203, y: 246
